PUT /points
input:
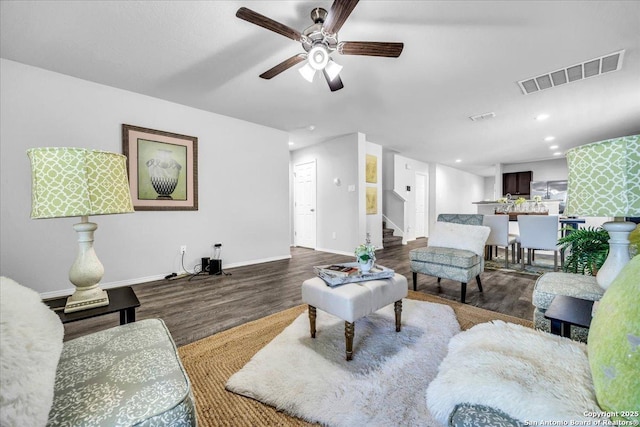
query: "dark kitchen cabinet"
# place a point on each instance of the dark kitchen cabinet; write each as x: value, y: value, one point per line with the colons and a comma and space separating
x: 517, y: 183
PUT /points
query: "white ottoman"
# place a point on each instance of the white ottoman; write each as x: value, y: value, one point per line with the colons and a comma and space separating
x: 353, y: 301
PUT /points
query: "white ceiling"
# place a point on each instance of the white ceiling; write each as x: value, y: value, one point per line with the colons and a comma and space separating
x: 460, y: 58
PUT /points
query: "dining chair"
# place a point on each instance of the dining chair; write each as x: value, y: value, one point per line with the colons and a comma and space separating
x: 500, y: 237
x: 538, y: 232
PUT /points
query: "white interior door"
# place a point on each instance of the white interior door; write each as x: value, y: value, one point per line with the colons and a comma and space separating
x: 304, y: 227
x: 421, y: 204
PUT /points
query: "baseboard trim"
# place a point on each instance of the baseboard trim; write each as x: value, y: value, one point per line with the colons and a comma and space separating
x: 333, y: 251
x: 140, y: 280
x: 255, y: 261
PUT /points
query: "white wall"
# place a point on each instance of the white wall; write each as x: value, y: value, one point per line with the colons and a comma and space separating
x: 546, y: 170
x: 453, y: 191
x: 242, y: 176
x: 337, y: 208
x: 405, y: 170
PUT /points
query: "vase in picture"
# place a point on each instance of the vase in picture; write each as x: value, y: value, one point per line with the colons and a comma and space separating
x: 163, y: 172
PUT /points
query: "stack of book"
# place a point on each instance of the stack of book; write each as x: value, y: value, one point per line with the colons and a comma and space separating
x: 339, y: 270
x: 340, y: 274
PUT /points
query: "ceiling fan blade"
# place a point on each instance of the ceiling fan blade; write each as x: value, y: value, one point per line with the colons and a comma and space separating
x: 268, y: 23
x: 391, y: 50
x: 335, y: 84
x: 338, y: 14
x: 283, y: 66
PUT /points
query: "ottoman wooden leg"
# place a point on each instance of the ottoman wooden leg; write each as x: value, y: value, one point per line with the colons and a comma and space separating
x: 348, y: 334
x: 397, y: 306
x: 415, y: 281
x: 312, y: 321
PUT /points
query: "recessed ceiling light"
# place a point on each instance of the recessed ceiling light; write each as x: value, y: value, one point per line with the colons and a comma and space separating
x: 311, y: 127
x: 290, y: 142
x: 557, y: 153
x: 458, y: 160
x: 553, y: 147
x: 550, y: 138
x: 541, y: 117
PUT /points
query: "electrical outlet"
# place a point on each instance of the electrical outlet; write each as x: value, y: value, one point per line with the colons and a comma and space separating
x: 183, y: 249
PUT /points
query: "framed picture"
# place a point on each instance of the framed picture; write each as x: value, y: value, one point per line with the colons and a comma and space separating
x: 372, y: 200
x: 163, y: 169
x: 371, y: 171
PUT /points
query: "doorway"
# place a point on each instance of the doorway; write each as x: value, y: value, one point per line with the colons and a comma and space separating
x: 304, y: 205
x: 421, y: 205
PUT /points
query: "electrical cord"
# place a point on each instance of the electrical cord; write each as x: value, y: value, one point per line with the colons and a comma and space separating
x: 197, y: 270
x: 183, y: 267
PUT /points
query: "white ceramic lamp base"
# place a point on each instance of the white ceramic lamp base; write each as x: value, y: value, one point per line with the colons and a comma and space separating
x: 86, y: 272
x: 618, y: 251
x: 84, y: 299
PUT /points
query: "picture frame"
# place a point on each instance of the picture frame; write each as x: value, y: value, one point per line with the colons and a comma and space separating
x: 162, y: 167
x: 372, y: 200
x: 371, y: 169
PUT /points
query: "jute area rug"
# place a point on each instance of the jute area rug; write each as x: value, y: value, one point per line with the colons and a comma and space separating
x: 211, y: 361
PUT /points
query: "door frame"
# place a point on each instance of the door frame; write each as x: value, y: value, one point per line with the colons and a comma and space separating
x: 425, y: 226
x: 314, y: 192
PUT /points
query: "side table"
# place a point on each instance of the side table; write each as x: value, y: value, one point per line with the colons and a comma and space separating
x: 123, y: 300
x: 565, y: 311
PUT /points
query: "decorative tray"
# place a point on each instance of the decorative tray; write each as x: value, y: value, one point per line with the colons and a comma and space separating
x: 334, y: 279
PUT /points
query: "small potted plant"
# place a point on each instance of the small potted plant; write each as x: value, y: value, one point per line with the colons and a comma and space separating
x: 588, y: 248
x: 365, y: 256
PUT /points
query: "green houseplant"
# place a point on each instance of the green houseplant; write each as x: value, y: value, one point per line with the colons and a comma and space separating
x: 366, y: 256
x: 588, y: 249
x: 365, y: 253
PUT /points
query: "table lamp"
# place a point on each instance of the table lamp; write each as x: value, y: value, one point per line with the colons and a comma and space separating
x: 604, y: 181
x: 69, y: 182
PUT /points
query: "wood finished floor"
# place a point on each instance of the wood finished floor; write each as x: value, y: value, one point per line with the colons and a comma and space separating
x: 208, y: 304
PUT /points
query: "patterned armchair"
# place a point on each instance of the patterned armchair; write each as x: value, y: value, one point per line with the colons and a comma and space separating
x: 501, y: 374
x: 469, y: 219
x: 127, y: 375
x: 455, y: 251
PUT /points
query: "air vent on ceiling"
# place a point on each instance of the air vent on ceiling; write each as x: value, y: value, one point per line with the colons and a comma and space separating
x: 483, y: 116
x: 590, y: 68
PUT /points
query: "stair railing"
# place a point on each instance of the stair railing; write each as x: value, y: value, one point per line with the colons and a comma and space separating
x: 394, y: 213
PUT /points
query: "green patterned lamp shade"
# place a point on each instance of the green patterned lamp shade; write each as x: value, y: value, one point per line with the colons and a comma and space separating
x: 604, y: 181
x: 78, y: 182
x: 604, y: 178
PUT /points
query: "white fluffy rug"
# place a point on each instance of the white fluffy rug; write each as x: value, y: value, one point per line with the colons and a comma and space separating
x: 502, y: 365
x: 384, y: 384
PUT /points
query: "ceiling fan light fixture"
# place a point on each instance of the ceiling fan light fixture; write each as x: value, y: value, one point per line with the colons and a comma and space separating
x: 308, y: 72
x: 318, y: 57
x: 333, y: 69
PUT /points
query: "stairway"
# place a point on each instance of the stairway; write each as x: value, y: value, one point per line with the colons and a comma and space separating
x: 388, y: 239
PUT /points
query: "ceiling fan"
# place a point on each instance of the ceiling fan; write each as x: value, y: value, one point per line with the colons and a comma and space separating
x: 319, y: 41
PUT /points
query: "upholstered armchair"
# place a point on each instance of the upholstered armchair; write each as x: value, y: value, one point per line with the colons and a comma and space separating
x: 126, y: 375
x: 502, y: 374
x: 455, y: 251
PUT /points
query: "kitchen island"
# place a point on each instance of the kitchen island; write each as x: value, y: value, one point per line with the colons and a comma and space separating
x: 489, y: 207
